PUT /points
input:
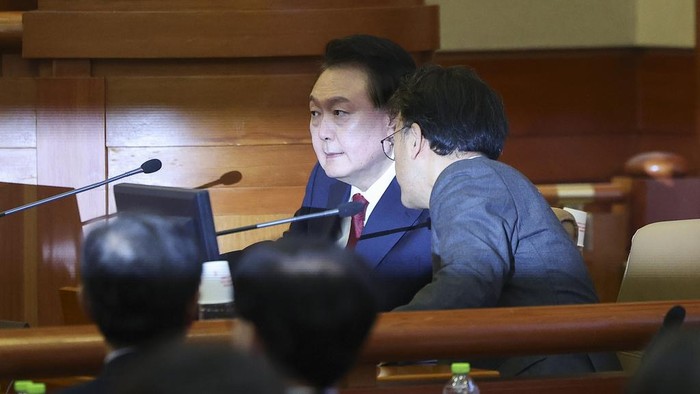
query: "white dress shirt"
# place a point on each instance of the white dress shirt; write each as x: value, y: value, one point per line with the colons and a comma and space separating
x: 372, y: 195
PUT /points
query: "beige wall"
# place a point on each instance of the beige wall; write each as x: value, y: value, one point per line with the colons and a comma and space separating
x: 668, y: 23
x: 530, y: 24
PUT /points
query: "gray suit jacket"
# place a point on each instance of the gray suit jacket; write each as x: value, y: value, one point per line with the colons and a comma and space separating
x: 496, y: 242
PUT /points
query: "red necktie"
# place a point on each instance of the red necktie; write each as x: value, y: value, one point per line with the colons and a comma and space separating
x: 357, y: 223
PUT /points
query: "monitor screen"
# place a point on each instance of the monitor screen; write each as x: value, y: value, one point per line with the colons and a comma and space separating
x: 192, y: 206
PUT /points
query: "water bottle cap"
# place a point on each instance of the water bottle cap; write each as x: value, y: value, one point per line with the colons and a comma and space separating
x: 21, y: 385
x: 36, y: 388
x: 461, y: 368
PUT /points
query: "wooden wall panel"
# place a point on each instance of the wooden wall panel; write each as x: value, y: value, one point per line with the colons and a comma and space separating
x: 258, y: 168
x: 17, y: 113
x: 666, y: 101
x: 14, y: 66
x: 283, y: 200
x: 60, y: 232
x: 70, y: 137
x: 18, y: 166
x: 39, y: 248
x: 271, y: 66
x: 590, y: 109
x: 18, y: 4
x: 561, y: 93
x: 221, y: 33
x: 215, y: 111
x: 561, y: 159
x: 188, y: 5
x: 18, y: 248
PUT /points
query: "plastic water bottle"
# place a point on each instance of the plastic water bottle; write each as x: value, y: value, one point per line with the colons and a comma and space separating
x: 461, y: 382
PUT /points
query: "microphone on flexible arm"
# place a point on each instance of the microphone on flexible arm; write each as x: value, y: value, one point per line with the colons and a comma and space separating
x: 390, y: 231
x: 344, y: 210
x: 147, y: 167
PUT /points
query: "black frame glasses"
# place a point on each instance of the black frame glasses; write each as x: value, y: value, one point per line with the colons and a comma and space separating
x: 388, y: 144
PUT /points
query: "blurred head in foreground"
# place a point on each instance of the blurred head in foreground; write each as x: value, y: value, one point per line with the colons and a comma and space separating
x: 140, y: 277
x: 310, y: 306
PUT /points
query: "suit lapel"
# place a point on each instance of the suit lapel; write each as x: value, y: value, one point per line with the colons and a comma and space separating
x: 387, y: 215
x: 338, y: 193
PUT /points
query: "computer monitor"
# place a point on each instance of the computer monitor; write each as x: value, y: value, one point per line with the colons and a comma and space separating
x: 191, y: 206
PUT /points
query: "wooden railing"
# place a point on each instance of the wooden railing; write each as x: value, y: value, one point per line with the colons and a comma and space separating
x: 614, y: 192
x: 518, y: 331
x: 406, y: 336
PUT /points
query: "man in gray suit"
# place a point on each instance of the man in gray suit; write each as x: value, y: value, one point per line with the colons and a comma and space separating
x: 495, y: 240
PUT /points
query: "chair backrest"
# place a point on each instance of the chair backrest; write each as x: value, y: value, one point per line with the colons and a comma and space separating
x: 664, y: 262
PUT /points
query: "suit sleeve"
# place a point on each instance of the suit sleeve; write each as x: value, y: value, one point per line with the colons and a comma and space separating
x: 473, y: 224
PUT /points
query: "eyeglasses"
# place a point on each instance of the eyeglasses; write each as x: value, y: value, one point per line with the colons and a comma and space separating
x: 388, y: 143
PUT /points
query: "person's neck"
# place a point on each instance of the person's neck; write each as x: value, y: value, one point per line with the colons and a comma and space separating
x: 367, y: 182
x: 442, y: 162
x: 438, y: 164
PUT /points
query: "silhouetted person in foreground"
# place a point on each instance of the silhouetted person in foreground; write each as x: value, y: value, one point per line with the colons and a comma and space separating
x: 140, y: 279
x: 201, y: 368
x: 307, y: 305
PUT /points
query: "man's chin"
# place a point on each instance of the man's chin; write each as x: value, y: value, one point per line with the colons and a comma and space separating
x: 406, y: 202
x: 334, y: 171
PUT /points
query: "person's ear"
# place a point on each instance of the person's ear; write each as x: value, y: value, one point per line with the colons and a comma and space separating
x: 390, y: 125
x: 414, y: 137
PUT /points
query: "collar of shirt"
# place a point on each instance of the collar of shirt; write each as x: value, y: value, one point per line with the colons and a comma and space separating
x: 118, y: 352
x: 375, y: 192
x: 310, y: 390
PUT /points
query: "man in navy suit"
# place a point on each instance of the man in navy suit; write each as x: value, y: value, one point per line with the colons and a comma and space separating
x: 495, y: 238
x: 140, y: 279
x: 348, y: 121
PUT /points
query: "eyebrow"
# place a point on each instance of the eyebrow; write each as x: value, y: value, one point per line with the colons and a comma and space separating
x: 331, y: 101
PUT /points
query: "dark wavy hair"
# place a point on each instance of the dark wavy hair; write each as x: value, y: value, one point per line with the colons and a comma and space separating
x: 456, y: 110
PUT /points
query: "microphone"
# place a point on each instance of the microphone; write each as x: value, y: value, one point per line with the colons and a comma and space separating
x: 426, y: 223
x: 674, y: 318
x: 147, y: 167
x: 344, y: 210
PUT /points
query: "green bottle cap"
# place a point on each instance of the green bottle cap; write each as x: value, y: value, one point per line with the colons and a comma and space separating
x: 461, y: 368
x: 36, y: 388
x: 21, y: 385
